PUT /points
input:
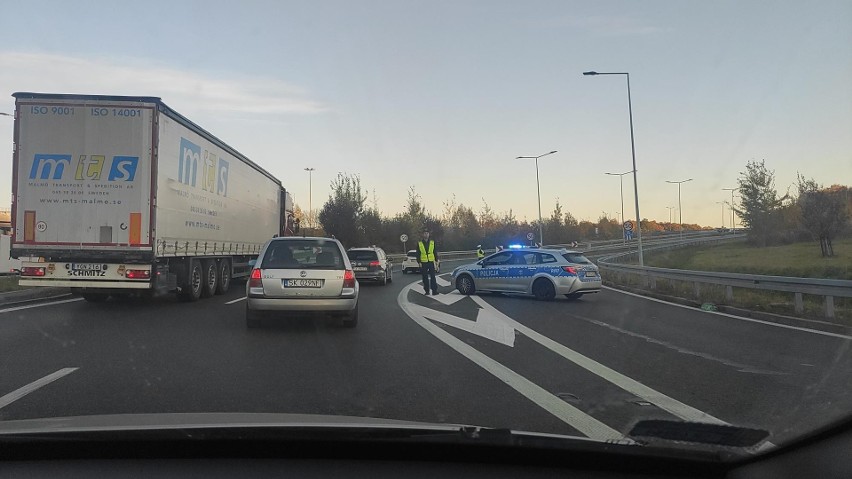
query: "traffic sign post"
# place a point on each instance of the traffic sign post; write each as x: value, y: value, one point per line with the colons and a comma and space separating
x: 628, y: 230
x: 404, y: 238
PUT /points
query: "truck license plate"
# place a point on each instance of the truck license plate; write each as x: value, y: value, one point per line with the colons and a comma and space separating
x: 88, y: 267
x: 303, y: 283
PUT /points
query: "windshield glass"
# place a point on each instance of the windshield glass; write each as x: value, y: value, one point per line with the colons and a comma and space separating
x: 362, y: 255
x: 630, y: 211
x: 294, y: 253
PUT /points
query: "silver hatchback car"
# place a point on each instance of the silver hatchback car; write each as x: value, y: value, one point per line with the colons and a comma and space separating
x: 302, y: 275
x: 543, y: 273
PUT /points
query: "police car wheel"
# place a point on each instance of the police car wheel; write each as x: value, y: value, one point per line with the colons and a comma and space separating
x: 543, y: 290
x: 465, y: 285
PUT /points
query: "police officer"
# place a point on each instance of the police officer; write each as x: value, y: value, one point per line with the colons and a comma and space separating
x: 426, y: 260
x: 479, y: 252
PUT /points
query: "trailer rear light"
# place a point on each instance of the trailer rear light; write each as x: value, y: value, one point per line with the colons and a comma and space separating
x: 570, y: 269
x: 348, y: 279
x: 255, y: 280
x: 137, y: 274
x: 375, y: 263
x: 32, y: 271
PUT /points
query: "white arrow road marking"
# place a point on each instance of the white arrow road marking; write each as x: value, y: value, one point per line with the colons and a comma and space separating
x: 448, y: 299
x: 441, y: 281
x: 23, y: 391
x: 630, y: 385
x: 486, y: 325
x: 565, y: 412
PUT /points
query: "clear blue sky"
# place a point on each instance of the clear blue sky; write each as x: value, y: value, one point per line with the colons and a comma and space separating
x: 443, y: 95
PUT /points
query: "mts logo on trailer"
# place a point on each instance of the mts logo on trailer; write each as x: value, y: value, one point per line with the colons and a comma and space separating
x: 214, y: 170
x: 89, y: 167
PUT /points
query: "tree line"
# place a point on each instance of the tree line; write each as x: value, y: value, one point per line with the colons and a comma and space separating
x: 810, y: 212
x: 347, y: 216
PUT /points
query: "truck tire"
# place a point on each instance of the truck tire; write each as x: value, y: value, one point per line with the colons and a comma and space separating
x: 224, y: 277
x: 191, y: 290
x: 210, y: 278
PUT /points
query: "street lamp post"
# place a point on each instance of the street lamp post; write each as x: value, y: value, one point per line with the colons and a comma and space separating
x: 633, y: 153
x: 621, y: 190
x: 538, y: 189
x: 310, y: 196
x: 723, y: 212
x: 670, y: 208
x: 679, y: 208
x: 733, y: 223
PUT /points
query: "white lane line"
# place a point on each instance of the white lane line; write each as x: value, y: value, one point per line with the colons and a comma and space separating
x: 236, y: 300
x: 39, y: 305
x: 630, y: 385
x: 567, y: 413
x: 741, y: 318
x: 23, y: 391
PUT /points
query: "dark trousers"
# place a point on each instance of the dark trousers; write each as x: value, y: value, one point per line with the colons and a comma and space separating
x: 427, y: 270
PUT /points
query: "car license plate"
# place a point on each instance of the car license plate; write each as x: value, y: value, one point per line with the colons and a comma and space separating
x: 591, y: 274
x: 303, y: 283
x: 88, y: 267
x: 360, y: 268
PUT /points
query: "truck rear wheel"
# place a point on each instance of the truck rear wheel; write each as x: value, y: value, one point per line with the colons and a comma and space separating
x: 210, y: 279
x: 191, y: 289
x: 224, y: 277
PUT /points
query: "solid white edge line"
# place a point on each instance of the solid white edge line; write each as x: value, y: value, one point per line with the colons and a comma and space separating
x: 565, y: 412
x: 23, y: 391
x: 39, y: 305
x: 236, y: 300
x: 664, y: 402
x: 733, y: 316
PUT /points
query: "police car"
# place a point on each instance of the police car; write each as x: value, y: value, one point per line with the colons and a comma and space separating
x: 543, y: 273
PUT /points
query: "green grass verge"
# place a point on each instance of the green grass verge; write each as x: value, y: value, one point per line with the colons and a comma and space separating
x: 9, y: 284
x: 798, y: 259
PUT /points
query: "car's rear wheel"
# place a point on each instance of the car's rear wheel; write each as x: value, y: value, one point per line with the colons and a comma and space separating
x: 252, y: 318
x: 543, y: 290
x: 351, y: 320
x: 385, y: 278
x: 573, y: 296
x: 464, y: 284
x: 390, y: 274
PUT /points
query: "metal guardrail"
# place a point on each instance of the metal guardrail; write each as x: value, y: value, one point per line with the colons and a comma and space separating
x: 827, y: 288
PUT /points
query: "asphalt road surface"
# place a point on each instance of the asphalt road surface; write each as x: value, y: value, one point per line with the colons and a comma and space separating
x: 591, y: 367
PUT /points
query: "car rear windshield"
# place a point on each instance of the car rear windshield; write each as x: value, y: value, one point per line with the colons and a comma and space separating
x: 576, y: 258
x: 303, y: 254
x: 362, y: 255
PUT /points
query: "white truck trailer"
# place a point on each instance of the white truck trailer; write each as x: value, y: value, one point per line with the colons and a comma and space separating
x: 116, y: 195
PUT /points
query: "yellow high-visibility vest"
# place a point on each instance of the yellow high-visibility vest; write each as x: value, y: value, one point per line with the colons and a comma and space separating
x: 427, y: 256
x: 480, y: 254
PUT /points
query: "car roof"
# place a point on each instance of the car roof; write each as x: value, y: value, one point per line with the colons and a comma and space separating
x: 543, y: 250
x: 365, y: 248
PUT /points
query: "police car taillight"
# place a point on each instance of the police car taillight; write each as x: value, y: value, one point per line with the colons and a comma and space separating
x: 348, y: 279
x: 570, y: 269
x: 255, y: 280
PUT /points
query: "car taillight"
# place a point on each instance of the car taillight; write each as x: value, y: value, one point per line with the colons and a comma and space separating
x: 374, y: 263
x: 32, y: 271
x: 348, y: 279
x: 137, y: 274
x: 570, y: 269
x: 255, y: 280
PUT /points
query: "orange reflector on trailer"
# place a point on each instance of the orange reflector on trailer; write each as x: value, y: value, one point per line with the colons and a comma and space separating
x: 29, y: 226
x: 135, y: 228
